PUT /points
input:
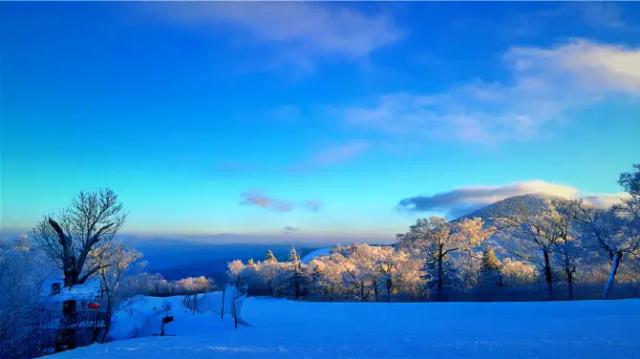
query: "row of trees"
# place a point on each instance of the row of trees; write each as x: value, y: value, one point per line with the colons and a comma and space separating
x: 524, y: 245
x: 412, y: 270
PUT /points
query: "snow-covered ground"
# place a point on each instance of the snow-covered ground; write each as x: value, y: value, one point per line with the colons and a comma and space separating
x: 287, y: 329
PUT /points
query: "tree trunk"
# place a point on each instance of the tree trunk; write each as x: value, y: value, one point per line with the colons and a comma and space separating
x: 69, y: 263
x: 389, y: 285
x: 570, y: 282
x: 375, y: 290
x: 235, y: 313
x: 440, y: 283
x: 107, y: 322
x: 548, y: 277
x: 612, y: 275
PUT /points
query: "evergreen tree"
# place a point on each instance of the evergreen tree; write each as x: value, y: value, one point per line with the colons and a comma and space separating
x: 296, y: 279
x: 294, y: 258
x: 490, y: 275
x: 489, y: 260
x: 270, y: 257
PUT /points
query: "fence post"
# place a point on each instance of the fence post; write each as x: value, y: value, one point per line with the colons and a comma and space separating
x: 235, y: 314
x: 224, y: 288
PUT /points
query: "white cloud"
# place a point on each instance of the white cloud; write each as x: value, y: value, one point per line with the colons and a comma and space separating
x: 546, y: 83
x: 467, y: 199
x: 307, y: 29
x: 595, y: 68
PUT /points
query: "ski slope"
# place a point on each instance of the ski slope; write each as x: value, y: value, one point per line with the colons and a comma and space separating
x: 288, y: 329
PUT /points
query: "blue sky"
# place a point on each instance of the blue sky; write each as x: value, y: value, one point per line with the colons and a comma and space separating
x: 312, y: 119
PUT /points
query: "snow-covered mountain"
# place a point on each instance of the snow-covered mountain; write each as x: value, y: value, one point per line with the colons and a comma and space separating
x: 534, y: 203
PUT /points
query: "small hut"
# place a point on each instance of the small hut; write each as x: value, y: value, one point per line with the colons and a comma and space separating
x: 73, y: 315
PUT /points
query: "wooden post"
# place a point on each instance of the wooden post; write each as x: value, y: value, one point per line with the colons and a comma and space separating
x: 222, y: 309
x: 235, y: 314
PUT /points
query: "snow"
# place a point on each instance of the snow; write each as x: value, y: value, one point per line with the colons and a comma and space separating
x: 91, y: 289
x: 289, y: 329
x: 320, y: 252
x: 141, y: 316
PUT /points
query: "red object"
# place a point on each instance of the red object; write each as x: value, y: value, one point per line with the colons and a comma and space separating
x: 93, y: 305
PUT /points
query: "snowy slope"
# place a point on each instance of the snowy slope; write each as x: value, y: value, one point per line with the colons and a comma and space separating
x: 142, y: 316
x: 287, y: 329
x: 315, y: 254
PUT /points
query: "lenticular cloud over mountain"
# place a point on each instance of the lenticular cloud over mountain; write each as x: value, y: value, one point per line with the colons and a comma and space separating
x: 467, y: 199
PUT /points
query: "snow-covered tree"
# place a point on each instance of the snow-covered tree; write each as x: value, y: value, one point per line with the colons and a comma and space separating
x: 490, y: 272
x: 296, y: 272
x: 112, y: 274
x: 517, y: 273
x: 615, y: 230
x: 439, y: 240
x: 537, y: 230
x: 23, y: 269
x: 270, y: 257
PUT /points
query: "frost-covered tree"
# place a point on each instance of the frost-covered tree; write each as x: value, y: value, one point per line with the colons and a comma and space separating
x: 270, y: 257
x: 630, y: 181
x: 490, y: 273
x: 568, y: 249
x: 112, y: 274
x: 440, y: 240
x: 538, y: 231
x: 615, y: 230
x: 517, y: 273
x: 267, y: 271
x: 296, y: 272
x: 234, y: 272
x: 79, y: 238
x: 23, y: 269
x: 327, y: 275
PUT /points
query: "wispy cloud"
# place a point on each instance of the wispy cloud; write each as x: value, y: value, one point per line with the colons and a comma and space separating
x: 259, y: 199
x: 335, y: 154
x: 546, y: 83
x: 306, y: 30
x: 255, y: 198
x: 467, y: 199
x: 290, y: 230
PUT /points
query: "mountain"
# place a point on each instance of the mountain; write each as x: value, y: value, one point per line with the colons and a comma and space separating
x: 501, y: 241
x: 533, y: 203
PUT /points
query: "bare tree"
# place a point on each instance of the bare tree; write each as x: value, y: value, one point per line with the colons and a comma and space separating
x: 79, y: 238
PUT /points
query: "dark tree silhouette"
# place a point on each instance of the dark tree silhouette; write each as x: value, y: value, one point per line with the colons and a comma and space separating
x: 79, y: 238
